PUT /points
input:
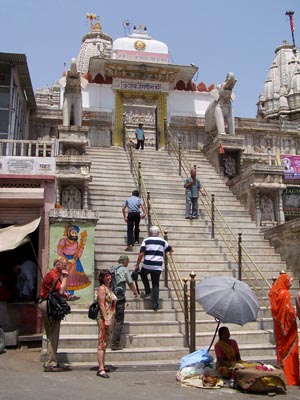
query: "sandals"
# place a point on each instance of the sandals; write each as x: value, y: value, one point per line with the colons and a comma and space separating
x: 52, y: 368
x: 57, y: 368
x: 101, y: 374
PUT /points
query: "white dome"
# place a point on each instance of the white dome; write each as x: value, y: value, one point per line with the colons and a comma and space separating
x: 151, y: 46
x: 141, y: 48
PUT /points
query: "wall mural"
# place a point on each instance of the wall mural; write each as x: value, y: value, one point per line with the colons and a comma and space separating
x: 75, y: 242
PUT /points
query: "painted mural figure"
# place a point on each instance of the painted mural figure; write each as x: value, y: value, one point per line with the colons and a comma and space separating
x: 70, y: 248
x: 220, y: 109
x: 72, y: 83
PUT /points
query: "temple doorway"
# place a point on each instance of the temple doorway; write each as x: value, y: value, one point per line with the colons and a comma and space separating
x: 141, y: 114
x: 147, y: 109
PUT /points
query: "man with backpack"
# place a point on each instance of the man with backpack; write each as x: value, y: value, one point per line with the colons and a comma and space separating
x: 120, y: 277
x: 54, y: 280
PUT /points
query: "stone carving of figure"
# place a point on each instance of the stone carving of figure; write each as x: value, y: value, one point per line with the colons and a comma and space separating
x: 73, y: 82
x: 220, y: 110
x: 267, y: 209
x: 230, y: 166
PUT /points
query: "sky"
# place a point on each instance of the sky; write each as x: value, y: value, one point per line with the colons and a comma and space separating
x: 218, y: 36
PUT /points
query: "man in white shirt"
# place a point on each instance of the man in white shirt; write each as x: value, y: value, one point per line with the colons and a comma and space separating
x: 152, y: 251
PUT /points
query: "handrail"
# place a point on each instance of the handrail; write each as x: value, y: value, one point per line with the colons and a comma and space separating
x: 173, y: 272
x: 225, y: 232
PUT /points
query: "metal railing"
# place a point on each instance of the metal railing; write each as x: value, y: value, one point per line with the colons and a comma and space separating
x: 171, y: 270
x: 232, y: 242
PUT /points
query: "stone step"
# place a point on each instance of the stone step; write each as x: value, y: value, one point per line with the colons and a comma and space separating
x: 163, y: 340
x: 134, y: 327
x: 137, y: 315
x: 131, y: 355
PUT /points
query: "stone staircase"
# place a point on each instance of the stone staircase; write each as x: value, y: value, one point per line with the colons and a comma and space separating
x: 158, y: 338
x: 195, y: 251
x: 149, y: 337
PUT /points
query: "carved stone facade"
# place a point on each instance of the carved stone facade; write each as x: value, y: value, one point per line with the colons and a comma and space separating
x: 72, y: 168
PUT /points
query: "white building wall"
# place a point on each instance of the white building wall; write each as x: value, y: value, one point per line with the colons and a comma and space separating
x: 98, y: 98
x: 187, y: 104
x: 101, y: 98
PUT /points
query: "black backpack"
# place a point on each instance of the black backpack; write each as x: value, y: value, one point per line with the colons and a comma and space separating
x: 57, y: 306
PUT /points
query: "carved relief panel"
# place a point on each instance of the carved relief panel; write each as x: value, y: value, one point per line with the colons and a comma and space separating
x: 71, y: 197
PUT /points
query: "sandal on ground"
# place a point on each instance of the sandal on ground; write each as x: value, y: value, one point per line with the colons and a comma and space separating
x: 65, y: 367
x: 102, y: 373
x: 53, y: 368
x: 107, y: 368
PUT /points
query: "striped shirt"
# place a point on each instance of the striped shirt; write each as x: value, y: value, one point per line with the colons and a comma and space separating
x: 154, y: 248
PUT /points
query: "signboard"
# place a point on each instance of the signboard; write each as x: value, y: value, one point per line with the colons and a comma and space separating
x: 291, y: 201
x: 140, y: 86
x: 27, y: 165
x: 291, y: 166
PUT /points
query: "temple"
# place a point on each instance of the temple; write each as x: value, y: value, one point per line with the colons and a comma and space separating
x: 68, y: 161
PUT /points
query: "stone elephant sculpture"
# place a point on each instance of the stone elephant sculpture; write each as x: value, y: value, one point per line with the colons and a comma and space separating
x: 219, y: 110
x: 72, y: 83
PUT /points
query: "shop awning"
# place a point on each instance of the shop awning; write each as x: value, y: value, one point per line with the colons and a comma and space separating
x: 14, y: 236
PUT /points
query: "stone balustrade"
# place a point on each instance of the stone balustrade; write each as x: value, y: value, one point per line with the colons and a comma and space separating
x: 28, y: 148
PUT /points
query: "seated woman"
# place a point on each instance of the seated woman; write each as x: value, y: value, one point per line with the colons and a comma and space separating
x: 227, y: 353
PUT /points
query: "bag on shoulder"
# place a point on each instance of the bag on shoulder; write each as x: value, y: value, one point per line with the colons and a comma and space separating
x: 93, y: 310
x: 117, y: 290
x: 57, y: 306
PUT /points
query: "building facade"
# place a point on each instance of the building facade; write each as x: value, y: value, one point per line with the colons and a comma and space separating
x: 112, y: 84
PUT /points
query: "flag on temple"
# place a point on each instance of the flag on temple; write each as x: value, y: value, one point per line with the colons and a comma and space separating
x: 292, y: 23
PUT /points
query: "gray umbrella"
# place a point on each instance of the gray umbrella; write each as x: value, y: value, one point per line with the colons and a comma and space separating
x: 228, y: 300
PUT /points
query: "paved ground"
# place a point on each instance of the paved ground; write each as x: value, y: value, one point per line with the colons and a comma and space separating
x: 22, y: 378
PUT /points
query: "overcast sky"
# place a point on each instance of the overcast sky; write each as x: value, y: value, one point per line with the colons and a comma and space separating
x: 218, y: 36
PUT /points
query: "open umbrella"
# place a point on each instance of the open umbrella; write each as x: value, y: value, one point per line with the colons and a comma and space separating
x: 228, y: 300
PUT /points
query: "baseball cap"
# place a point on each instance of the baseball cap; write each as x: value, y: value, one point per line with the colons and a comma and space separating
x: 122, y: 259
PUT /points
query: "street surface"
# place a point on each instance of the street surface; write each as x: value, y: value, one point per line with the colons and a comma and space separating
x: 22, y: 378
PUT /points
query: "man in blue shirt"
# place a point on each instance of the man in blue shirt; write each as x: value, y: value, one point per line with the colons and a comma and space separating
x: 135, y: 205
x: 192, y: 187
x: 140, y: 137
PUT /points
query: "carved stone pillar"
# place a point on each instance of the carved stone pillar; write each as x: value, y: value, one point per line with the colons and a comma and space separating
x: 281, y: 218
x: 85, y: 195
x: 257, y: 207
x: 58, y: 192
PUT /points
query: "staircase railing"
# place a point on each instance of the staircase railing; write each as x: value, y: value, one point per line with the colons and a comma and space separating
x: 232, y: 242
x: 171, y: 270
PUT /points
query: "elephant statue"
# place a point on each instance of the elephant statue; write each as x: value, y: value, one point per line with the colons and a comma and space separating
x: 219, y: 109
x: 72, y: 84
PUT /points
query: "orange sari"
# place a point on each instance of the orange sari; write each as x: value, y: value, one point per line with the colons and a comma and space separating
x: 285, y: 328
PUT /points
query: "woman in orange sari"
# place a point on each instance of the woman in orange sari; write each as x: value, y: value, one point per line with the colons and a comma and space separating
x: 285, y: 328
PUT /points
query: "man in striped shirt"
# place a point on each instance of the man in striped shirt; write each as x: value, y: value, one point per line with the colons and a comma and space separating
x: 152, y: 250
